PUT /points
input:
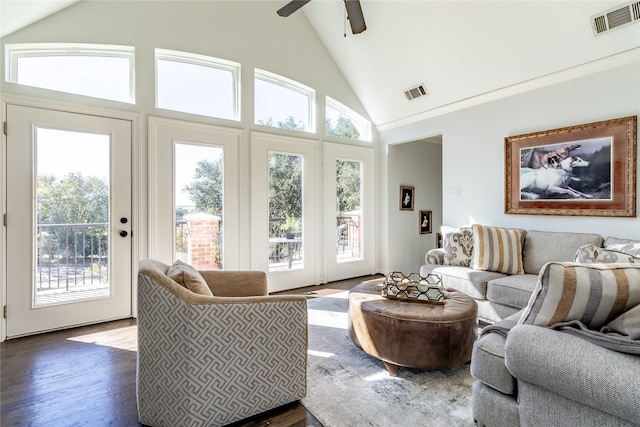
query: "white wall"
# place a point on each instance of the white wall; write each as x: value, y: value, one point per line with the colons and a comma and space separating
x: 416, y: 164
x: 473, y: 148
x: 247, y: 32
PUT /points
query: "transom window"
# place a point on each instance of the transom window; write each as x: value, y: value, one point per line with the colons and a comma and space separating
x: 100, y: 71
x: 344, y: 122
x: 197, y: 84
x: 283, y: 103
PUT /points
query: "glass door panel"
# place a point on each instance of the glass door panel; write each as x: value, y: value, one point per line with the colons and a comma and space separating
x: 199, y: 198
x: 72, y: 216
x: 349, y: 210
x: 285, y: 212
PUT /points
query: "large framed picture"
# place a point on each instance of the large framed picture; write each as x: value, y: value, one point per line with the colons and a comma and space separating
x: 406, y: 198
x: 584, y: 170
x: 424, y: 222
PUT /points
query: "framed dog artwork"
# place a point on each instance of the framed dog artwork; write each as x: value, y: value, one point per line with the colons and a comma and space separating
x: 584, y: 170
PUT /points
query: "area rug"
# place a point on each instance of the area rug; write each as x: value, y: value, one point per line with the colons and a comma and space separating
x: 347, y: 387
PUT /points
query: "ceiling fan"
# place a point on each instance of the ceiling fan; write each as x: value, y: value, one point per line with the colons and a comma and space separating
x: 354, y: 13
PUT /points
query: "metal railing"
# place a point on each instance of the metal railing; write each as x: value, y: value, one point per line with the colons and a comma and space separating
x: 71, y: 255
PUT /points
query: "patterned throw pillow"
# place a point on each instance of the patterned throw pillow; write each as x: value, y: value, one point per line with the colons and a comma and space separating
x: 629, y: 248
x: 457, y: 244
x: 593, y: 294
x: 587, y: 254
x: 497, y: 249
x: 609, y: 256
x: 187, y: 276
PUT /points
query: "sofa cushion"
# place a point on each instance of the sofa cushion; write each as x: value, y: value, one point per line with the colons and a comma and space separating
x: 189, y: 277
x: 512, y: 291
x: 465, y: 279
x: 593, y: 294
x: 497, y: 249
x: 541, y: 247
x: 457, y: 244
x: 487, y: 363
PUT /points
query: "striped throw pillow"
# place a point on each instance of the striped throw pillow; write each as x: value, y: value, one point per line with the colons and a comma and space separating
x: 593, y: 294
x: 497, y: 249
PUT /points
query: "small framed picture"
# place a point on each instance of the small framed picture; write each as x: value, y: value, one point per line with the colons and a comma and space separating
x: 425, y: 222
x: 406, y: 198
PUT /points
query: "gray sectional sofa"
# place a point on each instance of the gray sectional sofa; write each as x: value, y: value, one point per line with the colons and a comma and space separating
x: 552, y: 372
x: 500, y: 295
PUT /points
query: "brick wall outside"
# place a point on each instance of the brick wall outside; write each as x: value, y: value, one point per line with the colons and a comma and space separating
x: 203, y: 248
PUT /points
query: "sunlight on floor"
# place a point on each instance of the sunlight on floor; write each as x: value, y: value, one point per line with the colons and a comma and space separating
x: 320, y: 353
x: 120, y: 338
x: 382, y: 375
x: 328, y: 319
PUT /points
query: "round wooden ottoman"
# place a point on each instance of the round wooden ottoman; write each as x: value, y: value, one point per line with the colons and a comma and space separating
x: 412, y: 334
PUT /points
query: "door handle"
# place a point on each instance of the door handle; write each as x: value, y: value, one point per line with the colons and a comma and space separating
x: 124, y: 233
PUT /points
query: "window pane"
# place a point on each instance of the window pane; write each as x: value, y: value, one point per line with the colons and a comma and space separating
x: 344, y: 123
x: 349, y: 203
x: 285, y: 212
x: 199, y: 198
x: 72, y: 217
x: 106, y: 77
x: 283, y: 104
x: 197, y: 89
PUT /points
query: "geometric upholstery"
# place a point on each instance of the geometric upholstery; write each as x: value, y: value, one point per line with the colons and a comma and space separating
x: 213, y: 360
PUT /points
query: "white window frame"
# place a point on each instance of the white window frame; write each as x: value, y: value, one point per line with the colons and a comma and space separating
x: 204, y: 61
x: 13, y: 52
x: 295, y: 86
x: 356, y: 118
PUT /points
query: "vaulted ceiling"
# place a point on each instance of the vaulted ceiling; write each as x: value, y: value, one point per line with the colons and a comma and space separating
x: 459, y: 50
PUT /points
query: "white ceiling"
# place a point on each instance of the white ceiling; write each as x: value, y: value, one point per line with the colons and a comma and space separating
x: 460, y: 50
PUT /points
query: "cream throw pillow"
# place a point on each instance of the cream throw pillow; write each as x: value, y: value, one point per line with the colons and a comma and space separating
x: 189, y: 277
x: 497, y: 249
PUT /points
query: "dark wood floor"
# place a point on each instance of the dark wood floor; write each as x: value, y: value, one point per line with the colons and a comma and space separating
x: 86, y: 377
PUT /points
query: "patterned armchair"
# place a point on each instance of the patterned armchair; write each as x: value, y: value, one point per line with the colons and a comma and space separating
x: 212, y: 360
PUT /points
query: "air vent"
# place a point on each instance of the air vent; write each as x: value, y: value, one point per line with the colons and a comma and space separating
x: 616, y: 18
x: 416, y: 92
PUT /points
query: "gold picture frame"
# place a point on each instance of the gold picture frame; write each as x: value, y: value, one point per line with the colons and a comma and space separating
x: 583, y: 170
x: 424, y: 222
x: 406, y: 198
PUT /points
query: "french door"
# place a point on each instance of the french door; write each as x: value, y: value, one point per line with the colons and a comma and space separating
x: 193, y: 188
x: 349, y: 211
x: 283, y: 210
x: 68, y: 219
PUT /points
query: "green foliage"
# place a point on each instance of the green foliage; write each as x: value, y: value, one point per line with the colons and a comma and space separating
x: 288, y: 123
x: 285, y: 186
x: 206, y: 188
x: 344, y: 128
x: 75, y: 199
x: 348, y: 181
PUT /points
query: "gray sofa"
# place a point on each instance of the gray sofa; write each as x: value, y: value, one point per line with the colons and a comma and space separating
x: 562, y: 374
x: 500, y: 295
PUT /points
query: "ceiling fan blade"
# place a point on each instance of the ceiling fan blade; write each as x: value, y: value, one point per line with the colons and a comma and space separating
x: 356, y: 18
x: 291, y: 7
